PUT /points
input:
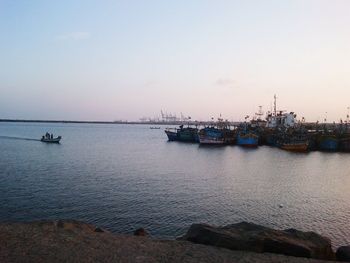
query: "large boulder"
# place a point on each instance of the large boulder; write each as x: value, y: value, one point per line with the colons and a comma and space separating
x: 343, y: 253
x: 252, y: 237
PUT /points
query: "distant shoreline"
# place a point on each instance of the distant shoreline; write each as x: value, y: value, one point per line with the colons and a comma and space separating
x: 102, y: 122
x: 63, y: 121
x: 155, y: 123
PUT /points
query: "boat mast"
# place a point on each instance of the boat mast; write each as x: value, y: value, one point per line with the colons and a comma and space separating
x: 259, y: 113
x: 275, y: 104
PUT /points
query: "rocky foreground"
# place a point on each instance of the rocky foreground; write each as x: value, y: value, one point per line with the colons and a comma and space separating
x: 73, y: 241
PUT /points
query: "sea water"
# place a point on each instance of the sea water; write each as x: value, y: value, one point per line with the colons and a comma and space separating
x: 122, y: 177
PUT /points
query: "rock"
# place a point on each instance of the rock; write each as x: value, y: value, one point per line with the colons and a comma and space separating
x: 99, y: 230
x: 343, y: 253
x: 140, y: 232
x: 78, y: 242
x: 252, y: 237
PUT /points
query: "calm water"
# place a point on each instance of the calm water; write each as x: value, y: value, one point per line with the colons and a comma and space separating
x: 123, y: 177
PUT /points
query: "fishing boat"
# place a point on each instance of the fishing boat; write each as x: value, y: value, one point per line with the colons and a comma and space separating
x: 187, y: 134
x: 246, y: 136
x: 182, y: 134
x: 211, y: 135
x: 51, y: 139
x: 218, y: 133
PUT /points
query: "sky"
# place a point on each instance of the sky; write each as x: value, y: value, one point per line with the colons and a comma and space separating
x: 113, y: 60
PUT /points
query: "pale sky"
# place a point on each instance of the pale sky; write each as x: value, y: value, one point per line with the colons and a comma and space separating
x: 108, y: 60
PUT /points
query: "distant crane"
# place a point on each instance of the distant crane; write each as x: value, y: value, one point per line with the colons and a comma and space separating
x: 168, y: 117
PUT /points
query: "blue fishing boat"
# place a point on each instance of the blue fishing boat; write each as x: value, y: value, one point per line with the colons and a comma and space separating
x: 211, y: 135
x: 247, y: 137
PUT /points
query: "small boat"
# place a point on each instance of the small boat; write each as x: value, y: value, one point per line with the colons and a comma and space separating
x: 49, y: 139
x: 154, y: 128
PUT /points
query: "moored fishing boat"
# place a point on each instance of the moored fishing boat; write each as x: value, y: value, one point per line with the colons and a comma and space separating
x: 211, y: 135
x: 187, y: 134
x: 182, y: 134
x: 246, y: 136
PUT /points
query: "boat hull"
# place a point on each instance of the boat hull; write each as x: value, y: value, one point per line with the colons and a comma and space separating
x: 344, y: 144
x: 206, y: 140
x: 172, y: 136
x: 270, y: 139
x: 188, y: 135
x: 211, y: 135
x: 328, y: 143
x: 54, y: 140
x: 295, y: 147
x: 248, y: 140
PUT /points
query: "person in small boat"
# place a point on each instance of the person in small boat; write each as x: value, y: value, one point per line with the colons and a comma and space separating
x: 47, y: 135
x: 51, y: 135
